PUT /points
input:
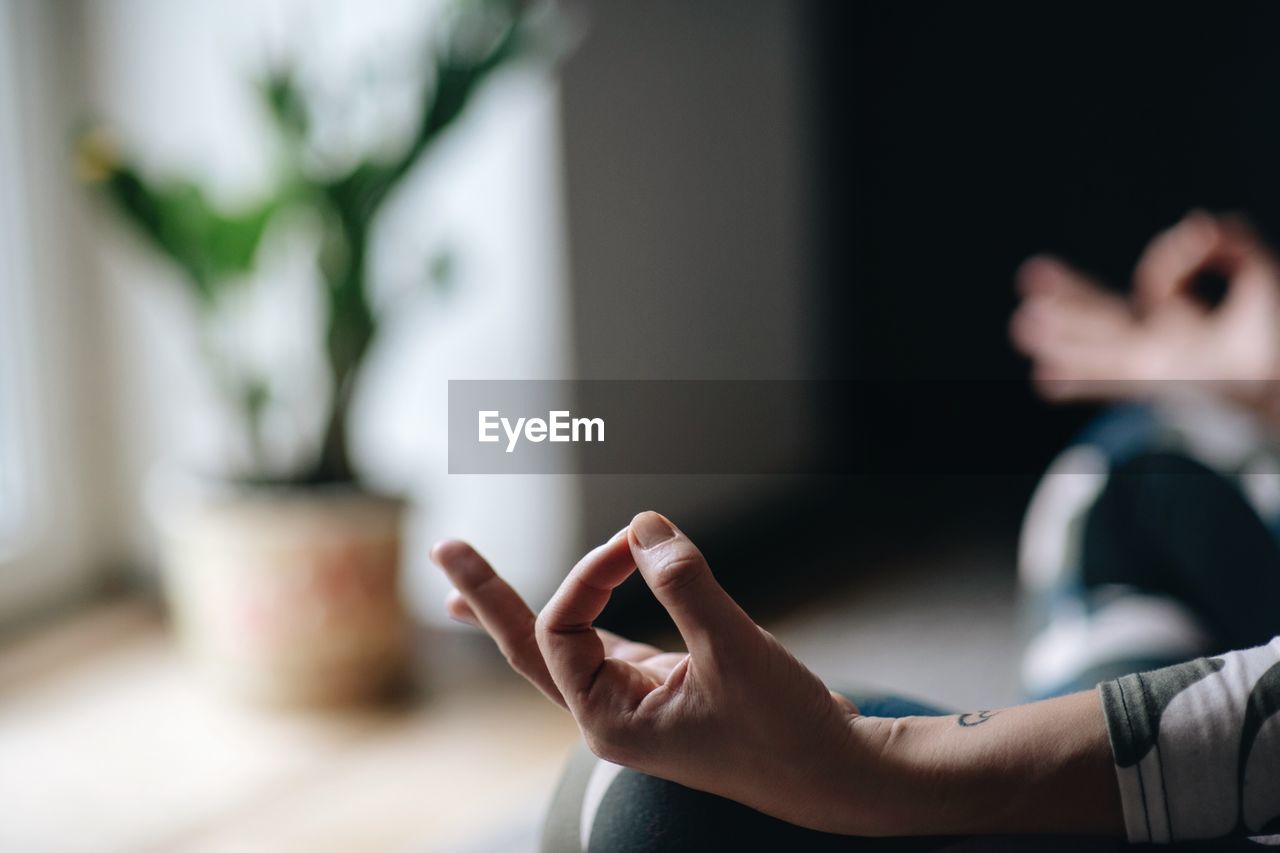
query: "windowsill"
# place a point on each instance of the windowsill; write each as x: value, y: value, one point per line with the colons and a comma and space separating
x: 110, y: 740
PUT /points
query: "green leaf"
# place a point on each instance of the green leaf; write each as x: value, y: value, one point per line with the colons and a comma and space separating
x: 211, y: 247
x: 460, y: 66
x: 286, y: 104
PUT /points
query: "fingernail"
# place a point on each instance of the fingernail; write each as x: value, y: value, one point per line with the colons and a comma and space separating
x: 450, y: 601
x: 651, y: 529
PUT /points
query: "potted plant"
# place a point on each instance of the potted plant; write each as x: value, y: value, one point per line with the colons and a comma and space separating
x: 285, y: 581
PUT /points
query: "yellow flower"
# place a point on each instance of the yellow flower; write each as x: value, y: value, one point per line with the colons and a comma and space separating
x: 96, y: 156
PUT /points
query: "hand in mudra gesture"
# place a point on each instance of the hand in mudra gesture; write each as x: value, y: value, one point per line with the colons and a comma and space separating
x: 737, y: 715
x: 1086, y: 342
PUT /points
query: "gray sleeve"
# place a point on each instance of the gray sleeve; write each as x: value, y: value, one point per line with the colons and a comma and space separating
x: 1197, y: 747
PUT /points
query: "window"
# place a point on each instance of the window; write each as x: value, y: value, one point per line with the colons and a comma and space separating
x: 54, y: 536
x: 16, y: 498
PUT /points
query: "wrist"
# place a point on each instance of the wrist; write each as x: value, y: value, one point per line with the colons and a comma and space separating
x: 944, y: 785
x: 914, y: 779
x: 1037, y: 768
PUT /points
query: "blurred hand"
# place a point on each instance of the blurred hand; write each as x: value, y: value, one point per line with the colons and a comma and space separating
x: 1088, y: 343
x: 737, y: 715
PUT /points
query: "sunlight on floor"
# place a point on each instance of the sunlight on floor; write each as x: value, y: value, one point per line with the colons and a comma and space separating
x: 108, y: 741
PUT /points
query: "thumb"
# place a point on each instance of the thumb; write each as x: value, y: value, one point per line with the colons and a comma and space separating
x: 680, y: 578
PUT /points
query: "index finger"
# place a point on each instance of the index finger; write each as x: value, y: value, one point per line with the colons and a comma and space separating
x: 574, y: 652
x: 1174, y: 256
x: 1199, y: 243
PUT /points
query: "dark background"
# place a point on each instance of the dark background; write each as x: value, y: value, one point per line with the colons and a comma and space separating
x: 948, y: 142
x: 959, y: 137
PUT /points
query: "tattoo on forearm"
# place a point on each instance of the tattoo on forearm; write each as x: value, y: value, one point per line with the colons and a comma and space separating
x: 975, y: 719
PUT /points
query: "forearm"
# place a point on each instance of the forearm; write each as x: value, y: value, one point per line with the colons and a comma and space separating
x: 1039, y: 768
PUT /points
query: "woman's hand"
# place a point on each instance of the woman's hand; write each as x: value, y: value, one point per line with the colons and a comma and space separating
x: 739, y: 716
x: 1088, y: 343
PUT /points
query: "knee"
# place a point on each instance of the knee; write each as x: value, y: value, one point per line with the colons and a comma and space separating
x: 600, y: 806
x: 1085, y: 485
x: 1153, y: 491
x: 1049, y: 540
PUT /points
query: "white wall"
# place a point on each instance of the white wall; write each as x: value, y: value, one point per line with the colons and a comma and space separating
x: 688, y: 199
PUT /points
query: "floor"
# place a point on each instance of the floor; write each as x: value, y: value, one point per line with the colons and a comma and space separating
x: 110, y: 742
x: 942, y: 627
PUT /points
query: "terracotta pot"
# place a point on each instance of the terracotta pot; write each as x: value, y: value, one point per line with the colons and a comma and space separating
x: 290, y: 595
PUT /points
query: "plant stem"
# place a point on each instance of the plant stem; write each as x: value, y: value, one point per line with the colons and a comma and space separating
x: 349, y: 335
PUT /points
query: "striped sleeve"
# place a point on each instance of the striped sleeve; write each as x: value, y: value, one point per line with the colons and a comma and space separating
x: 1197, y: 747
